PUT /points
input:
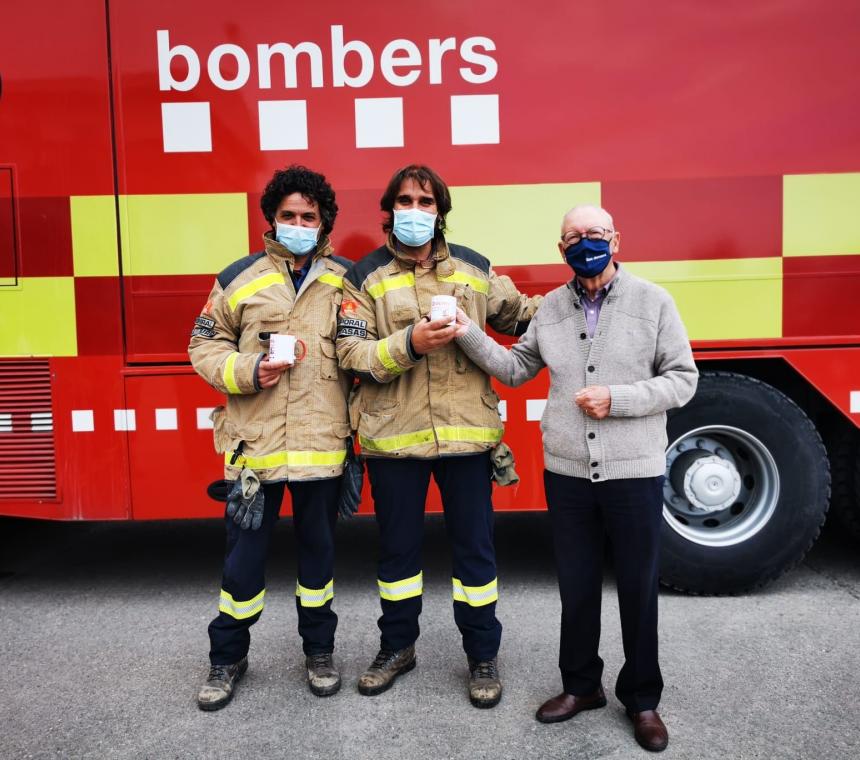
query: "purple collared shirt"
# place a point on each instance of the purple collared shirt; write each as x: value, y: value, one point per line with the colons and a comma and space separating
x: 591, y: 306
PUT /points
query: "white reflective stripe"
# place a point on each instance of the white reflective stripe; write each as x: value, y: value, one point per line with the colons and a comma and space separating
x: 397, y: 591
x: 315, y: 597
x: 475, y: 596
x: 241, y: 610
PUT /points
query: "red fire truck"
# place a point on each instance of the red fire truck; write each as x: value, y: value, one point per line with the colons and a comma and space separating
x: 135, y: 139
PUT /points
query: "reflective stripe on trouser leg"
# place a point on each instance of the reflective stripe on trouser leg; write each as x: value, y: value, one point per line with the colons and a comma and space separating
x: 242, y: 594
x: 475, y: 596
x: 464, y: 483
x: 314, y: 597
x: 399, y: 488
x: 314, y: 518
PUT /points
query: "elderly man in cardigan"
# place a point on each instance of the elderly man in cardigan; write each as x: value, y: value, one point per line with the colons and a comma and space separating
x: 618, y: 357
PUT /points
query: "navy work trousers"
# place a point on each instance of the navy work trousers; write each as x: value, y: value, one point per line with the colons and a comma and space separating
x: 243, y: 587
x: 583, y: 513
x: 399, y: 488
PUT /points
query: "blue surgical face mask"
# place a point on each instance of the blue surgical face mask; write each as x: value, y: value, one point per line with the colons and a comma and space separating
x: 297, y: 240
x: 414, y: 227
x: 588, y: 258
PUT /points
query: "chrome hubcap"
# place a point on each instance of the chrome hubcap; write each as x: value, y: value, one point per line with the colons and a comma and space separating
x: 722, y: 485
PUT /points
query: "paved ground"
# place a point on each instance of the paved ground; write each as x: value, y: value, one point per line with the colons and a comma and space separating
x: 103, y: 644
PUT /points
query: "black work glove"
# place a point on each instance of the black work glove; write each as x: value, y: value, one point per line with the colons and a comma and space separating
x: 245, y: 502
x: 351, y: 483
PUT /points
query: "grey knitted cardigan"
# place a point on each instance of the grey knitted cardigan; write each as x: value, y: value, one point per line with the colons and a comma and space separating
x: 640, y: 350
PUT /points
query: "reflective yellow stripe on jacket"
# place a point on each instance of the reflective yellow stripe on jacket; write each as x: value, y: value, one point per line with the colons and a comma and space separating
x: 255, y: 286
x: 230, y: 373
x: 289, y: 458
x: 385, y: 357
x: 315, y: 597
x: 391, y: 283
x: 397, y: 591
x: 241, y: 610
x: 476, y: 283
x: 475, y: 596
x: 331, y: 279
x: 419, y: 437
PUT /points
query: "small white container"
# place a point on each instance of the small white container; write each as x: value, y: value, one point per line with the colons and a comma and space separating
x: 282, y: 348
x: 443, y: 306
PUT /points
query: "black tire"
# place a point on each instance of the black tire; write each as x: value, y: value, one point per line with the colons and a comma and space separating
x: 789, y: 445
x: 845, y: 466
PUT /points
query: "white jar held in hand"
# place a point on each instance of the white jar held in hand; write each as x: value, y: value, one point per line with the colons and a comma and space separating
x: 282, y: 348
x: 442, y: 307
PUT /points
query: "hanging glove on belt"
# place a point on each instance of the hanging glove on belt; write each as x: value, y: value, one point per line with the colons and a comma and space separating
x: 353, y: 480
x: 502, y: 461
x: 245, y: 501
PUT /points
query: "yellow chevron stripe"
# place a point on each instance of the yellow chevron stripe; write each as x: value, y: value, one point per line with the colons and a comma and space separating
x: 380, y: 288
x: 476, y: 283
x: 331, y: 279
x: 255, y: 286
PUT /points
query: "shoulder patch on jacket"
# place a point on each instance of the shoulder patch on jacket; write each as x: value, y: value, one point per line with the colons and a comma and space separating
x: 470, y: 257
x: 364, y: 267
x: 236, y: 268
x: 345, y: 263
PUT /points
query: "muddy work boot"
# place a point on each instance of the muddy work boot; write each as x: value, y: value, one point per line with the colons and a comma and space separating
x: 485, y: 687
x: 384, y: 669
x: 220, y: 685
x: 323, y: 676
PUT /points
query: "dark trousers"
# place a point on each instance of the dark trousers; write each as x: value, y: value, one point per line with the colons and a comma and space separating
x: 243, y: 587
x: 629, y: 511
x: 399, y: 488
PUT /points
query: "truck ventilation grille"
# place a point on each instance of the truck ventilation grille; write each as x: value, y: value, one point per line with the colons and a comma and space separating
x: 27, y: 456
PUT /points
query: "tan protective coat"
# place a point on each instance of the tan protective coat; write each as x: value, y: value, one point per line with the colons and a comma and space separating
x: 441, y: 403
x: 297, y: 429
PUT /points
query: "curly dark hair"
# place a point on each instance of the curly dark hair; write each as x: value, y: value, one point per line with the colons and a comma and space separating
x: 425, y: 177
x: 312, y: 186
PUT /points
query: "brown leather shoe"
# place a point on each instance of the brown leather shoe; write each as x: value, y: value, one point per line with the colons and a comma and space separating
x: 565, y: 706
x: 649, y: 730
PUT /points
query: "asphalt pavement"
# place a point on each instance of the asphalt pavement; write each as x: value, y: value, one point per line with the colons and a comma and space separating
x: 103, y: 643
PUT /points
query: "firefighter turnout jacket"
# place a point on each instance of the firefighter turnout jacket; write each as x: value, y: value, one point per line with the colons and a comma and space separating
x: 297, y: 429
x: 422, y: 406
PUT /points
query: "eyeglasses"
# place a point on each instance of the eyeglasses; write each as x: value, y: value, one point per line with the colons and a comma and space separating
x: 595, y: 233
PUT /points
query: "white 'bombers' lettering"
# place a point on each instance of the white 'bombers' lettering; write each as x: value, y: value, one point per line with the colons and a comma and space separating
x: 400, y: 62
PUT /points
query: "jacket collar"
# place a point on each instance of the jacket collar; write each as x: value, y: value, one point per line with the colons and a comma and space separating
x: 444, y: 265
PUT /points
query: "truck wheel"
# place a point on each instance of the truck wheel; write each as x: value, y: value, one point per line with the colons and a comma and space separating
x: 746, y: 490
x: 845, y: 466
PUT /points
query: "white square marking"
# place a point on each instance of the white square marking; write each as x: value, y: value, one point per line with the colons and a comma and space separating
x: 82, y: 421
x: 5, y: 423
x: 41, y: 422
x: 283, y: 124
x: 474, y: 119
x: 534, y: 408
x: 165, y: 419
x: 855, y: 402
x: 503, y: 410
x: 379, y: 122
x: 124, y: 419
x: 186, y: 128
x: 203, y: 421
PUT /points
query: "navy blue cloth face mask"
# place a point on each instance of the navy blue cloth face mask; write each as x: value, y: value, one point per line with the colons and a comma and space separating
x: 588, y: 258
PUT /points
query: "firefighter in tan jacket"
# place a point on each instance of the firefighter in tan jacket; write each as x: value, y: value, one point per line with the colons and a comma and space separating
x: 423, y: 408
x: 285, y: 422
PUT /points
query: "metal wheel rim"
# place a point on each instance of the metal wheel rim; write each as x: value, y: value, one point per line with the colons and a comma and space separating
x: 726, y: 527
